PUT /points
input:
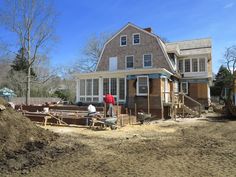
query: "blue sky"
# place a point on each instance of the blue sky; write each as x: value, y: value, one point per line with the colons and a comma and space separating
x: 174, y: 20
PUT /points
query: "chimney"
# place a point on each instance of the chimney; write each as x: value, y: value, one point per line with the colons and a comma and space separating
x: 148, y: 29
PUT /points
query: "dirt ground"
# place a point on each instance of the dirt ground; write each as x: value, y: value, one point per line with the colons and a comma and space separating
x: 189, y: 147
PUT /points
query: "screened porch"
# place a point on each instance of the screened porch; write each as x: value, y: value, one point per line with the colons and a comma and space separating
x: 94, y: 89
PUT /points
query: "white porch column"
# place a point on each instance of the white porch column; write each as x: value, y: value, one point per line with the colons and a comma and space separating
x: 100, y: 91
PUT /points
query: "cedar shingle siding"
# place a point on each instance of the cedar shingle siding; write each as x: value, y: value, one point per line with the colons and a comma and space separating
x: 148, y: 44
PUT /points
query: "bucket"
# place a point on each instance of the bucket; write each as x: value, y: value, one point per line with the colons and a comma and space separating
x: 45, y: 109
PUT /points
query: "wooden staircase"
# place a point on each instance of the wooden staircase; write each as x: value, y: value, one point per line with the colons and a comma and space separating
x: 190, y: 111
x: 186, y: 110
x: 183, y: 105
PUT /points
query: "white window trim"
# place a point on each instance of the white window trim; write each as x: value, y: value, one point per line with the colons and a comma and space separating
x: 186, y: 87
x: 126, y: 61
x: 120, y: 40
x: 191, y: 69
x: 151, y: 61
x: 137, y: 86
x: 133, y: 39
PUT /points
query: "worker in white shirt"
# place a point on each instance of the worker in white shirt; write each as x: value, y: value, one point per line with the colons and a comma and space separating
x: 91, y: 110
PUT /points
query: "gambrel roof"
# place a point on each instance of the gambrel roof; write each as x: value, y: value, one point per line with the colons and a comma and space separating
x: 159, y: 41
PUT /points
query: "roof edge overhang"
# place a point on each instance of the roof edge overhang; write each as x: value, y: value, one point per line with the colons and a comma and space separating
x: 122, y: 73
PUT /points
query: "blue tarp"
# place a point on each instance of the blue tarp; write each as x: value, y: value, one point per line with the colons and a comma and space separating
x: 6, y: 92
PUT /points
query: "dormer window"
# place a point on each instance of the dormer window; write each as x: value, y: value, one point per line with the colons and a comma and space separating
x: 136, y: 39
x: 123, y: 40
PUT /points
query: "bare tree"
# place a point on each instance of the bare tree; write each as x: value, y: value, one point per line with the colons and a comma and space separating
x: 32, y: 21
x: 230, y: 63
x: 230, y: 59
x: 91, y: 53
x: 16, y: 81
x: 5, y: 66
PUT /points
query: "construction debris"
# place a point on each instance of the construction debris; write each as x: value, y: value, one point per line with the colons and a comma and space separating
x: 2, y: 107
x: 19, y: 138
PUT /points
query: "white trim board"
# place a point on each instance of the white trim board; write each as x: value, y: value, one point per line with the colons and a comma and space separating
x: 123, y: 73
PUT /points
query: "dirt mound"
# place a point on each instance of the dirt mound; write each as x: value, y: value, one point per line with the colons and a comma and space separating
x: 19, y: 137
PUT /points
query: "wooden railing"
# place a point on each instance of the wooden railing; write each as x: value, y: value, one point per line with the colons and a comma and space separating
x: 181, y: 98
x: 195, y: 108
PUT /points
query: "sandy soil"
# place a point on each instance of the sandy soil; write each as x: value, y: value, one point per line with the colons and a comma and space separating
x: 190, y: 147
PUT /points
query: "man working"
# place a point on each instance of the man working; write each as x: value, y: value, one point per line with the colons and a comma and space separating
x: 91, y: 110
x: 110, y: 101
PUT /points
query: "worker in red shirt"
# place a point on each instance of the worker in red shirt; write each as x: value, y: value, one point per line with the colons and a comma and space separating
x: 110, y: 101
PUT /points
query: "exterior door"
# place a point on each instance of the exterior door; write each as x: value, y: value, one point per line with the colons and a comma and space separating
x: 112, y: 63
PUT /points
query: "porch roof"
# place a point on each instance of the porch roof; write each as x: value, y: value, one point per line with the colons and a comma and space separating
x: 122, y: 73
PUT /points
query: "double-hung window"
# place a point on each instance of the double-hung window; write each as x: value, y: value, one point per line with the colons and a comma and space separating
x: 202, y: 65
x: 187, y: 65
x: 129, y: 62
x: 194, y: 65
x: 123, y: 40
x: 147, y: 60
x: 181, y: 68
x: 142, y: 85
x: 136, y: 39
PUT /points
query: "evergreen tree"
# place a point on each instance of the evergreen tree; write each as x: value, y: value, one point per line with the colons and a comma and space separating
x: 223, y: 79
x: 21, y: 64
